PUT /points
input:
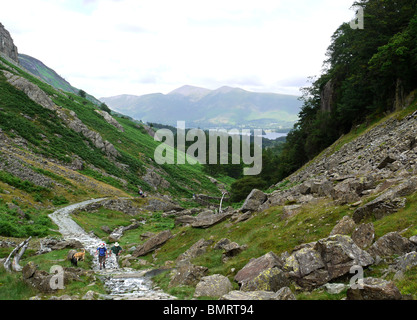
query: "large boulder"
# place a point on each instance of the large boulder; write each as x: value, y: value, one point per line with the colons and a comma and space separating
x: 389, y: 202
x: 231, y: 250
x: 406, y: 262
x: 118, y: 232
x: 42, y: 280
x: 306, y: 267
x: 272, y: 279
x: 340, y: 253
x: 214, y: 286
x: 197, y: 249
x: 255, y: 199
x: 187, y: 274
x: 285, y: 294
x: 67, y: 244
x: 364, y: 235
x: 152, y: 244
x: 344, y: 226
x: 155, y: 180
x: 256, y: 266
x: 221, y: 244
x: 208, y: 221
x: 374, y: 289
x: 29, y: 270
x: 390, y: 244
x: 346, y: 191
x: 184, y: 220
x: 315, y: 264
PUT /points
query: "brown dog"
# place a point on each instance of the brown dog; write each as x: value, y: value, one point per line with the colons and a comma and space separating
x: 79, y: 256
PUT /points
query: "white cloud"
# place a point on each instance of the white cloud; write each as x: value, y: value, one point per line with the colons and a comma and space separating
x: 110, y: 47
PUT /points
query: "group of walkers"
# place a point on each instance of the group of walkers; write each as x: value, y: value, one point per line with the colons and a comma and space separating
x: 103, y: 254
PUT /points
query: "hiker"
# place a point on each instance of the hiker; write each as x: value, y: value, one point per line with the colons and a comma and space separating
x: 141, y: 192
x: 102, y: 255
x: 116, y: 249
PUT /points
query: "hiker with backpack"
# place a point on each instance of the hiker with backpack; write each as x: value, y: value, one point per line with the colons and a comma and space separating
x: 141, y: 193
x: 102, y: 255
x: 116, y: 249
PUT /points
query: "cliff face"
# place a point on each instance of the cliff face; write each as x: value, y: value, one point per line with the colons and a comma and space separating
x: 7, y: 46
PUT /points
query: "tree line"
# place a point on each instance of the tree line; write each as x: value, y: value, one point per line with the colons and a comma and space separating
x: 368, y: 73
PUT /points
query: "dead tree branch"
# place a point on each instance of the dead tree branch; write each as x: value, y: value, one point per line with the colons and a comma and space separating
x: 8, y: 264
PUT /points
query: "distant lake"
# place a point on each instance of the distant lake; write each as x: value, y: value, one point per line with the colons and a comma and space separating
x: 274, y: 135
x: 267, y: 135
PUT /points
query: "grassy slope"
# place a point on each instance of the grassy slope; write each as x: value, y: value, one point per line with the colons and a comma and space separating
x: 135, y: 146
x: 48, y: 75
x: 51, y: 147
x: 266, y: 232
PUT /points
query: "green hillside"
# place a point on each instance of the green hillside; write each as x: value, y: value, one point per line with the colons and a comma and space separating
x: 47, y: 136
x: 37, y: 68
x: 48, y: 75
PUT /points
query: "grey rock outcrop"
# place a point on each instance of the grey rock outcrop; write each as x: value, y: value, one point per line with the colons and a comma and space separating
x: 118, y: 232
x: 110, y: 120
x: 208, y: 221
x: 155, y: 180
x: 405, y: 262
x: 231, y: 250
x: 7, y: 46
x: 272, y: 279
x: 315, y: 264
x: 74, y: 123
x: 31, y: 90
x: 387, y: 203
x: 214, y: 286
x: 375, y: 289
x: 255, y: 199
x: 390, y: 244
x: 187, y: 274
x: 197, y: 249
x: 382, y: 162
x: 344, y: 226
x: 69, y: 117
x: 364, y: 235
x: 152, y: 244
x: 256, y: 266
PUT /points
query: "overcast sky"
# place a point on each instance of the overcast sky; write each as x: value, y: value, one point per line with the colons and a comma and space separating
x: 112, y: 47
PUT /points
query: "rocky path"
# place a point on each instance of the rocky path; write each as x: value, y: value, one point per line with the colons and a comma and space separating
x: 120, y: 283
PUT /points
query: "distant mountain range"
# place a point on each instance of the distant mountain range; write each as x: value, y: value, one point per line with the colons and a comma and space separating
x: 225, y: 107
